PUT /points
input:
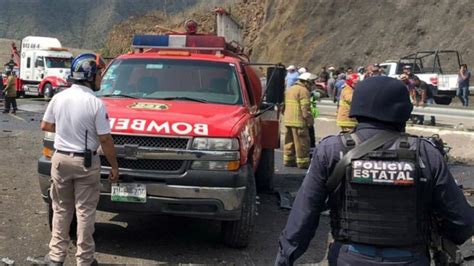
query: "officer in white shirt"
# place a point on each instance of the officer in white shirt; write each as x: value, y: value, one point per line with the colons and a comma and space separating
x: 81, y: 124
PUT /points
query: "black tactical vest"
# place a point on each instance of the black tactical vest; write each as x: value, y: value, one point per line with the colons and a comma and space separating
x: 380, y: 201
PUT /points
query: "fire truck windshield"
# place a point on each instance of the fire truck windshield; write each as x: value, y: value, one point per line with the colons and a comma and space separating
x: 58, y: 62
x: 171, y: 79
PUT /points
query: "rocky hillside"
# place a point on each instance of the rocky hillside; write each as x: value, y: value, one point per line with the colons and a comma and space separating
x: 83, y: 23
x: 156, y: 22
x: 319, y: 32
x: 351, y: 32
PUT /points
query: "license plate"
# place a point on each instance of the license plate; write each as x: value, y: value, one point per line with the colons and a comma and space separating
x: 128, y: 192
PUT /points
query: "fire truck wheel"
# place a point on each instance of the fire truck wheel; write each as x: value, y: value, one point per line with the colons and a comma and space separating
x: 237, y: 234
x: 72, y: 228
x: 48, y: 91
x: 265, y: 170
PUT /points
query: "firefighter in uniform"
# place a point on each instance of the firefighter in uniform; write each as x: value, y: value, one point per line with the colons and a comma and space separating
x: 298, y: 119
x: 342, y: 119
x: 381, y: 193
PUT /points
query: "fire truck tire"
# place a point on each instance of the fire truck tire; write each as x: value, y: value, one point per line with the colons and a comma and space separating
x: 48, y: 91
x: 237, y: 234
x: 265, y: 171
x: 72, y: 228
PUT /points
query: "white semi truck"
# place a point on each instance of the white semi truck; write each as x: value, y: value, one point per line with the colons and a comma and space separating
x: 44, y: 66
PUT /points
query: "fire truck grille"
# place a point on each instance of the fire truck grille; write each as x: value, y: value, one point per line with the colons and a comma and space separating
x: 144, y: 164
x: 157, y: 142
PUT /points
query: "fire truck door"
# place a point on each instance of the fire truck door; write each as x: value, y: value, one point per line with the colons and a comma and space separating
x: 26, y: 72
x: 39, y: 68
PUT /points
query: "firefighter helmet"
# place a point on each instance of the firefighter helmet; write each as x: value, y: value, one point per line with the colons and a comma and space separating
x: 307, y: 76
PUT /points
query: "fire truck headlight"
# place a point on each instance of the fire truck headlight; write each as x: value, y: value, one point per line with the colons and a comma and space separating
x: 216, y: 165
x: 47, y: 152
x: 216, y: 144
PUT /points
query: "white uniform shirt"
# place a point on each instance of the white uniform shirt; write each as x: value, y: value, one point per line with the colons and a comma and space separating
x: 74, y: 111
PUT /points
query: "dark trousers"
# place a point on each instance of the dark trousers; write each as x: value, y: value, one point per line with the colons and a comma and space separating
x: 421, y: 119
x: 312, y: 138
x: 341, y: 255
x: 10, y: 101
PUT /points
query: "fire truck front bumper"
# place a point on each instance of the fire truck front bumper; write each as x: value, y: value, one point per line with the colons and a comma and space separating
x: 194, y: 194
x: 216, y: 203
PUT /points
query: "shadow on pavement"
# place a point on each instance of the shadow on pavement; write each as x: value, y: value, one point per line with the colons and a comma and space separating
x: 154, y: 238
x: 187, y: 240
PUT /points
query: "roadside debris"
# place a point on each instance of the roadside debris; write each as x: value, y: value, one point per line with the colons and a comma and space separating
x: 286, y: 199
x: 7, y: 261
x: 35, y: 261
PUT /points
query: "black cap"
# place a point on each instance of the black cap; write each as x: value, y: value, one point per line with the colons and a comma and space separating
x: 381, y: 98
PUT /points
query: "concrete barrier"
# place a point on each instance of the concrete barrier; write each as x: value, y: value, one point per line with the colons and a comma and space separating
x: 461, y: 142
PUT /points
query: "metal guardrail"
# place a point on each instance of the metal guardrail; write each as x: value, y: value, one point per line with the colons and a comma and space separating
x: 448, y: 112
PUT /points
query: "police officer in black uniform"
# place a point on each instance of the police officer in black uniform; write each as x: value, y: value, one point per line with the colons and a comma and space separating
x: 390, y: 187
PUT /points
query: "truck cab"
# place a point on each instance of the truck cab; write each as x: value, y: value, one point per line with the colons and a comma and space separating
x: 44, y: 66
x: 439, y: 69
x: 192, y: 132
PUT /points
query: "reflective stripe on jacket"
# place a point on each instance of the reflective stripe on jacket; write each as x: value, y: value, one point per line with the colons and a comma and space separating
x: 297, y: 111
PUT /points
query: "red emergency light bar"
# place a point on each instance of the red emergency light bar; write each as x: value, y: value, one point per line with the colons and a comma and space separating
x: 179, y: 42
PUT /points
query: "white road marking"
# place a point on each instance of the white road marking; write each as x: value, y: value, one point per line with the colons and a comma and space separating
x: 17, y: 117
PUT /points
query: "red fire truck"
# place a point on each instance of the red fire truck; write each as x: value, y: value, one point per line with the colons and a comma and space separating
x: 193, y: 134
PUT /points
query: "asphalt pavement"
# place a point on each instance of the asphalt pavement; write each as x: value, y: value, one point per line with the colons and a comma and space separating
x: 129, y: 238
x: 137, y: 238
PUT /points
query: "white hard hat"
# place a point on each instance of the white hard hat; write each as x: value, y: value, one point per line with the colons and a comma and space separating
x: 307, y: 76
x: 291, y: 67
x: 302, y: 70
x: 331, y: 68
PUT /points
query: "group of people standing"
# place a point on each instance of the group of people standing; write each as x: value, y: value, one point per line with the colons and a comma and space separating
x: 420, y: 92
x: 301, y: 110
x: 300, y: 107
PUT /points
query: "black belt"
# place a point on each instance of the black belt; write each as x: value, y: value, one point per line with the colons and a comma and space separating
x: 75, y: 154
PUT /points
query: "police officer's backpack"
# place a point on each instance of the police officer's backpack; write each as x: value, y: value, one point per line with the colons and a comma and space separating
x: 381, y: 191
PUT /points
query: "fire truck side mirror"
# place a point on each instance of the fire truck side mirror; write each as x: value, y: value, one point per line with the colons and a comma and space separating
x: 275, y: 84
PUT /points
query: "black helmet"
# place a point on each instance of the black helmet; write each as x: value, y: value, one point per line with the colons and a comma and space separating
x: 85, y: 67
x: 381, y: 98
